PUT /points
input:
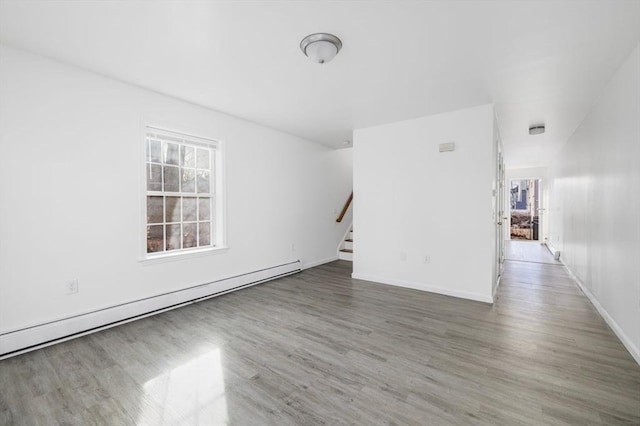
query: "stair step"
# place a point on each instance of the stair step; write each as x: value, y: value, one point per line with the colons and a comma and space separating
x: 346, y: 250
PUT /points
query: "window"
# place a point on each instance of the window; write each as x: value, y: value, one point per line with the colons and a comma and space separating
x: 182, y: 193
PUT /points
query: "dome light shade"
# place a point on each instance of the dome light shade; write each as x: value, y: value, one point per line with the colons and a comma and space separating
x: 320, y: 47
x: 321, y: 51
x: 536, y: 130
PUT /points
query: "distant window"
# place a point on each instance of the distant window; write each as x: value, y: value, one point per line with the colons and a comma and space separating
x: 182, y: 193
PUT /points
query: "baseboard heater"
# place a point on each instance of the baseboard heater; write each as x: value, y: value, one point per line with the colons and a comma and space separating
x: 37, y: 336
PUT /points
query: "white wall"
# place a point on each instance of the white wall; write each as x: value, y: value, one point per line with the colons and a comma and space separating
x: 412, y: 201
x: 595, y: 206
x: 70, y: 192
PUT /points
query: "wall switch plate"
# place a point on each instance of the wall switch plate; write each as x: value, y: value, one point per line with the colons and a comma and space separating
x: 403, y: 256
x: 427, y: 259
x: 71, y: 287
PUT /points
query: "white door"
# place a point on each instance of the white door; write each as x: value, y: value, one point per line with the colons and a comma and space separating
x: 499, y: 208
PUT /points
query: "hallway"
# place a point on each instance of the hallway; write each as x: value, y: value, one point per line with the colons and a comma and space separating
x: 321, y: 348
x: 528, y: 251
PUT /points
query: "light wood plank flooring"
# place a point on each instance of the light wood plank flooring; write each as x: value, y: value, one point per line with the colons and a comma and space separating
x: 321, y: 348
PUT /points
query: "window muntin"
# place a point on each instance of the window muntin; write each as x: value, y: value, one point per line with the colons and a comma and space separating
x: 181, y: 197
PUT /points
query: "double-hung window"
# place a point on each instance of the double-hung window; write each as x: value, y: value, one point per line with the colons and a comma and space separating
x: 183, y: 202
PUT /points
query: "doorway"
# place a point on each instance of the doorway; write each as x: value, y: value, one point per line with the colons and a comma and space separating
x: 499, y: 206
x: 525, y: 209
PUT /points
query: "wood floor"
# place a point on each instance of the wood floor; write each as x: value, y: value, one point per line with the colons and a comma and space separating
x: 321, y: 348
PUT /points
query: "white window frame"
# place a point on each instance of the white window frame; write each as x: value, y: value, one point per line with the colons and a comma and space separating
x: 217, y: 195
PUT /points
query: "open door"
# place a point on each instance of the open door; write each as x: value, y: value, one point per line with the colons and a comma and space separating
x: 525, y: 208
x: 499, y: 215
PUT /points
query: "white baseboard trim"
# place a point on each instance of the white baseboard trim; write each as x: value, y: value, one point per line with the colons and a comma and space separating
x: 633, y: 350
x: 319, y: 262
x: 425, y: 287
x: 555, y: 252
x: 495, y: 289
x: 26, y: 339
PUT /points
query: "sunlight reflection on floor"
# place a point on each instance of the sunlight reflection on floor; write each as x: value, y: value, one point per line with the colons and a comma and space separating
x: 192, y: 393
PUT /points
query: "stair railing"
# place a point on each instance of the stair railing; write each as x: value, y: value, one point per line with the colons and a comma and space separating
x: 345, y: 208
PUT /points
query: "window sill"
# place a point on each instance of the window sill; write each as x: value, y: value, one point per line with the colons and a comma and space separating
x: 172, y: 257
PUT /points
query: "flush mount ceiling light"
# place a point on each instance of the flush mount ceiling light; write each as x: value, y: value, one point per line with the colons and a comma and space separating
x: 320, y: 47
x: 536, y: 130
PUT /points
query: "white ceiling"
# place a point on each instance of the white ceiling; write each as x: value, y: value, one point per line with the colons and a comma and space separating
x: 538, y: 61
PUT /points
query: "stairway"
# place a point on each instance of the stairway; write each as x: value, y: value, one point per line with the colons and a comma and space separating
x: 346, y: 248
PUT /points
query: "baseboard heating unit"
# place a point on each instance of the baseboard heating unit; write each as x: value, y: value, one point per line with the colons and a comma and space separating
x: 26, y: 339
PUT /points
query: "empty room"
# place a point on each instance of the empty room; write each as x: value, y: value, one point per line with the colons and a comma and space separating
x: 319, y: 212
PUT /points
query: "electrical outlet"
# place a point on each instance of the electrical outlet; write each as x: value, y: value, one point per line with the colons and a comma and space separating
x: 71, y: 286
x: 403, y: 256
x: 427, y: 259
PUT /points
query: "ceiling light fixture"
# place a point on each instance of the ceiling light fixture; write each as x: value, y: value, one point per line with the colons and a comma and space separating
x: 536, y: 130
x: 320, y: 47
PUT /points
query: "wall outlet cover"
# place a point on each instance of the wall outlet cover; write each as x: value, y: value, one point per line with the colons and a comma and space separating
x: 71, y: 286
